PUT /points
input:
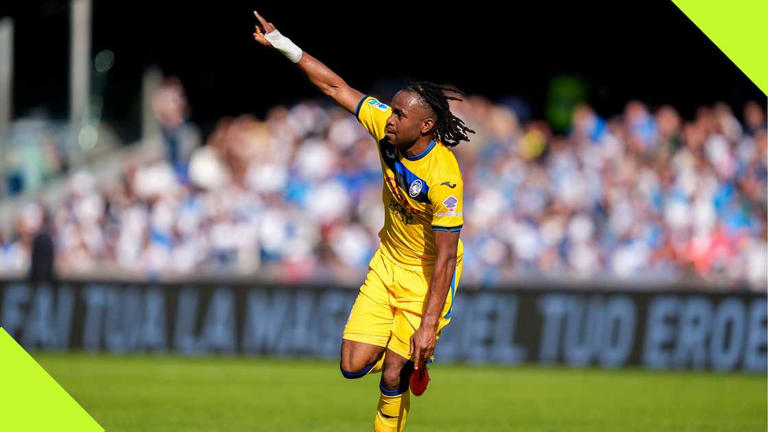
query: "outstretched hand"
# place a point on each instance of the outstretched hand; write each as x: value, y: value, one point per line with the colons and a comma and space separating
x: 319, y: 74
x: 262, y: 28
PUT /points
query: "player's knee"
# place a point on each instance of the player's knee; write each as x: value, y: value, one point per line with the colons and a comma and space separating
x: 352, y: 370
x: 396, y: 377
x: 395, y: 380
x: 390, y: 378
x: 351, y: 363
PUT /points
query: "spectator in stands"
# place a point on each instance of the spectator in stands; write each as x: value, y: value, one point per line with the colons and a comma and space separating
x: 180, y: 138
x: 42, y: 266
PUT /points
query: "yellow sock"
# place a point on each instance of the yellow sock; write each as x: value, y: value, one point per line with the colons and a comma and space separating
x: 390, y: 417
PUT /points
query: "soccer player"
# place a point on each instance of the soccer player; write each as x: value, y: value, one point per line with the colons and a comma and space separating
x: 409, y: 291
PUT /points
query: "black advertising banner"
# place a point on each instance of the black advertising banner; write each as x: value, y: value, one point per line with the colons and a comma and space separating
x: 657, y: 330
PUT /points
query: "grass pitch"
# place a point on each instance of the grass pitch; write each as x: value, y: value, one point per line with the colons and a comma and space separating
x: 164, y: 394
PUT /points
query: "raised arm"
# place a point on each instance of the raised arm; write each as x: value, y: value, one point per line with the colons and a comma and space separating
x: 319, y: 74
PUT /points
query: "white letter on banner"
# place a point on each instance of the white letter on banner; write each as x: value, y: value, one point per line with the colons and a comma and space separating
x: 503, y: 348
x: 329, y: 320
x: 184, y: 340
x: 153, y: 328
x: 94, y: 316
x: 264, y: 314
x: 480, y: 329
x: 726, y: 347
x: 552, y: 308
x: 659, y: 333
x: 619, y: 318
x: 582, y: 329
x: 694, y: 326
x: 122, y: 322
x: 38, y: 327
x: 755, y: 356
x: 12, y: 318
x: 218, y: 334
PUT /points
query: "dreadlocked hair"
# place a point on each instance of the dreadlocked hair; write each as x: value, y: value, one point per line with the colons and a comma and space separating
x: 449, y: 129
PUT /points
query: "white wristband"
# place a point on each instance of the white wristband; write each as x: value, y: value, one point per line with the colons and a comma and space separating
x: 284, y: 45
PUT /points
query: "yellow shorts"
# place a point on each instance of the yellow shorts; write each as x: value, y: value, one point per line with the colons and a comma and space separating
x: 391, y: 302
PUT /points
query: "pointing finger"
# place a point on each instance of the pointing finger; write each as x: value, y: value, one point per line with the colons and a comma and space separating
x: 261, y: 19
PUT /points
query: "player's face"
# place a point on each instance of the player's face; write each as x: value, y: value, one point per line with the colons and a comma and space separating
x: 409, y: 120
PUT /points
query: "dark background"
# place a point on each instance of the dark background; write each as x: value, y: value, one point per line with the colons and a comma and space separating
x: 648, y: 51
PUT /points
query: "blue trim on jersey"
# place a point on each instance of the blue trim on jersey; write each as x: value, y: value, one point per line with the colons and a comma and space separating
x: 403, y: 176
x: 384, y: 145
x: 359, y: 105
x: 451, y: 229
x: 423, y: 153
x: 358, y: 374
x: 453, y: 292
x: 391, y: 392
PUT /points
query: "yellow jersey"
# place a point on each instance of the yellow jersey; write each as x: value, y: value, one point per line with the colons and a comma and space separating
x: 421, y: 193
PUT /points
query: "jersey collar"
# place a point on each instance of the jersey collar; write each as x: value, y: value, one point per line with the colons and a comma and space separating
x: 423, y: 153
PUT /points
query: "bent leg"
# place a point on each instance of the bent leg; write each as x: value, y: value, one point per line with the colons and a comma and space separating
x: 397, y: 371
x: 365, y: 337
x: 359, y: 359
x: 369, y: 326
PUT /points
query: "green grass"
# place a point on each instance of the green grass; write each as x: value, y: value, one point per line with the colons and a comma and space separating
x: 163, y: 394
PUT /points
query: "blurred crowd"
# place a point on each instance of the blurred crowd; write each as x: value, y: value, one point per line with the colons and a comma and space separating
x: 643, y: 195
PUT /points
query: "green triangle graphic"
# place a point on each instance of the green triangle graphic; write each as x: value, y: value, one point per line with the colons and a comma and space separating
x: 739, y: 28
x: 32, y: 401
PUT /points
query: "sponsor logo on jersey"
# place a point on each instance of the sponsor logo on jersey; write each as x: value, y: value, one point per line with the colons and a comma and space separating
x: 405, y: 216
x: 449, y: 184
x: 450, y: 203
x: 415, y: 188
x: 378, y: 104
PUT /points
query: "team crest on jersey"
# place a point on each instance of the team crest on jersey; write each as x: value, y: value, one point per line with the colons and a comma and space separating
x: 450, y: 203
x: 415, y: 188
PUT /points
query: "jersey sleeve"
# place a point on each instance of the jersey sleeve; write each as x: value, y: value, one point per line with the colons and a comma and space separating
x: 373, y: 115
x: 447, y: 204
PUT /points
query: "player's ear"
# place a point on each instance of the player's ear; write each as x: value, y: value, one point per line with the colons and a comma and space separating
x: 427, y: 125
